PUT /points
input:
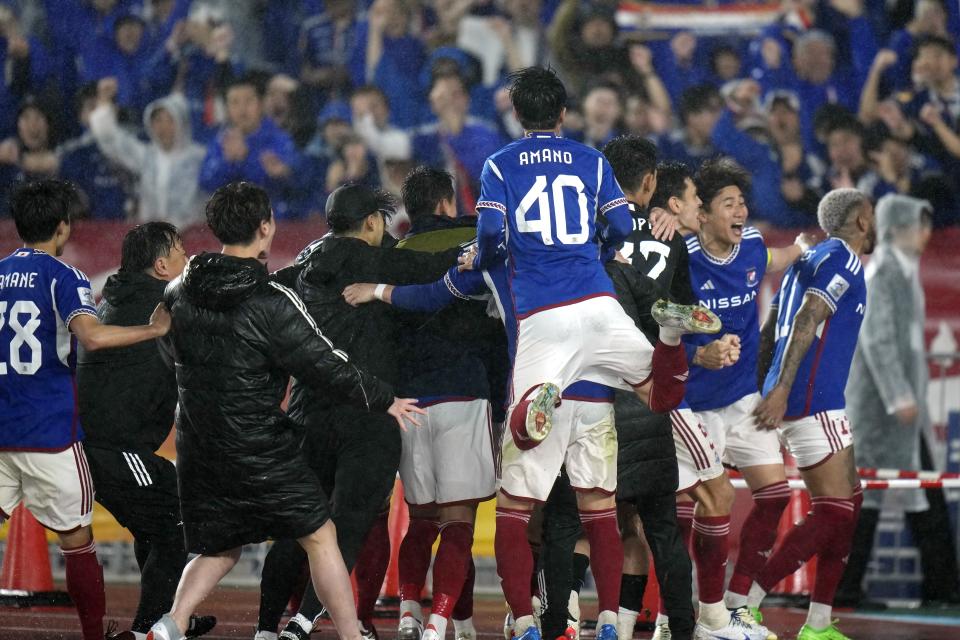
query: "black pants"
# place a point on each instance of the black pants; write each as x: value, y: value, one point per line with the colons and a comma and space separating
x: 139, y: 488
x: 356, y: 455
x: 931, y: 533
x: 561, y: 529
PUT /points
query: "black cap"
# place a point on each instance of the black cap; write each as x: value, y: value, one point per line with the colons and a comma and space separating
x: 354, y: 202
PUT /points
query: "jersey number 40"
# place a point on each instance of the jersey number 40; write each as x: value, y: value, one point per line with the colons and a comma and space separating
x: 23, y: 335
x: 554, y: 217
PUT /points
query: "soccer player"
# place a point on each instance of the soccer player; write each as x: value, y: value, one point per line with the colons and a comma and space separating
x: 701, y: 474
x: 727, y: 263
x: 812, y: 333
x: 237, y: 337
x: 545, y: 198
x: 127, y: 402
x: 44, y: 304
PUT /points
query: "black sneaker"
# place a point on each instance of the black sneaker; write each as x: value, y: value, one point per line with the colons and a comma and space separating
x: 200, y: 625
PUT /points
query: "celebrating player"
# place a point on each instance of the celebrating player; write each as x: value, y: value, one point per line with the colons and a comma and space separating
x: 812, y: 332
x: 42, y: 302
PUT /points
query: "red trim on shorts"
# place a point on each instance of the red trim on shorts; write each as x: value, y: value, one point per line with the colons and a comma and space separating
x: 566, y: 303
x: 594, y: 490
x: 519, y: 499
x: 586, y: 399
x: 828, y: 431
x: 470, y: 501
x: 36, y: 450
x: 814, y: 466
x: 430, y: 403
x: 640, y: 384
x: 67, y: 532
x: 701, y: 460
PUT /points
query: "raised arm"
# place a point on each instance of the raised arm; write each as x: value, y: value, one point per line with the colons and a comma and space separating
x: 783, y: 257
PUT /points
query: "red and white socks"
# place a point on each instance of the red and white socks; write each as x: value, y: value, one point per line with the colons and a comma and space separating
x: 412, y: 566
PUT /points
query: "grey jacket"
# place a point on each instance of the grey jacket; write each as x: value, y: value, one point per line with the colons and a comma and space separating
x: 889, y: 370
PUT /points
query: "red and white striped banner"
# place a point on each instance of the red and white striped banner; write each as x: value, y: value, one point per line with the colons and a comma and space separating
x: 898, y: 474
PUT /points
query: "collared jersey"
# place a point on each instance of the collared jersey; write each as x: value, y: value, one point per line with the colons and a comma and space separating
x: 833, y: 272
x: 728, y: 287
x: 552, y: 194
x: 39, y: 296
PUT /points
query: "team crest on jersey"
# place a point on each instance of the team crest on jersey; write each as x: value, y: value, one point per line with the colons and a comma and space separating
x: 86, y: 297
x: 22, y: 254
x: 837, y: 287
x: 752, y: 277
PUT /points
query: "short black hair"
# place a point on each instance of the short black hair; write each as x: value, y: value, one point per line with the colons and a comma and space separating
x: 424, y: 188
x: 931, y: 40
x: 850, y: 124
x: 718, y: 173
x: 147, y: 242
x: 632, y: 158
x: 538, y: 96
x: 827, y: 116
x: 698, y: 98
x: 40, y: 206
x: 671, y: 183
x: 255, y: 79
x: 235, y: 211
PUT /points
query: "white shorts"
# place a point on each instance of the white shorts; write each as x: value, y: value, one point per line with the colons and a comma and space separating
x: 698, y: 458
x: 589, y: 340
x: 449, y: 458
x: 583, y: 439
x: 734, y: 431
x: 814, y: 439
x: 55, y: 487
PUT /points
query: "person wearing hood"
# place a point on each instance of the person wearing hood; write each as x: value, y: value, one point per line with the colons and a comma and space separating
x: 121, y: 54
x: 886, y: 400
x: 237, y: 337
x: 167, y: 167
x: 127, y: 401
x: 355, y: 453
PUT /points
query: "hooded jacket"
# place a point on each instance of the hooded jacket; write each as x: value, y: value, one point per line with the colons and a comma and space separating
x: 236, y: 337
x: 368, y: 332
x: 127, y: 395
x: 168, y: 180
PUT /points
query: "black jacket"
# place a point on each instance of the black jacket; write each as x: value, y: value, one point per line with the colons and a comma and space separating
x: 236, y: 337
x: 367, y: 332
x: 458, y: 351
x: 127, y: 395
x: 647, y: 457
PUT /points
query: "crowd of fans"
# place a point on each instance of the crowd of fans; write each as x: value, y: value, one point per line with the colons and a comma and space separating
x: 148, y: 105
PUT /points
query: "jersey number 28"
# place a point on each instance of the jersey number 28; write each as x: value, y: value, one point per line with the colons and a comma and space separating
x: 23, y: 335
x: 544, y: 225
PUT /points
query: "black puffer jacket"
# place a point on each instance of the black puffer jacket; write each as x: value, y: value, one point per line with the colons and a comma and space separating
x: 647, y: 457
x: 127, y: 395
x: 367, y: 332
x: 236, y: 337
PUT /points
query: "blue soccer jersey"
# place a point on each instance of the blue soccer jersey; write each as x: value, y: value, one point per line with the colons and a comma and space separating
x: 552, y: 202
x: 39, y: 296
x: 471, y: 284
x: 833, y: 272
x: 728, y: 287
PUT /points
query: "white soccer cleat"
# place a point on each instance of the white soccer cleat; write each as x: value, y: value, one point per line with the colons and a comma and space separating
x: 662, y: 632
x: 409, y: 628
x: 573, y: 613
x: 508, y: 623
x: 736, y: 629
x: 747, y: 619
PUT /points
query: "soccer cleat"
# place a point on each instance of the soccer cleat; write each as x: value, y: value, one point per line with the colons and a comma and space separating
x: 532, y: 633
x: 293, y: 631
x: 733, y: 630
x: 662, y: 632
x: 532, y: 418
x: 573, y: 614
x: 430, y: 633
x: 368, y: 631
x: 746, y: 617
x: 200, y: 625
x: 830, y: 633
x: 263, y: 634
x: 465, y: 634
x: 409, y: 629
x: 691, y: 318
x: 607, y: 632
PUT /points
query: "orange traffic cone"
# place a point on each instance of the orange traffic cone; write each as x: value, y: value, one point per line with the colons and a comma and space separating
x: 26, y: 563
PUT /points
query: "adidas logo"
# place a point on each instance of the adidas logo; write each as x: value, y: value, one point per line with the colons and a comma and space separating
x: 708, y: 286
